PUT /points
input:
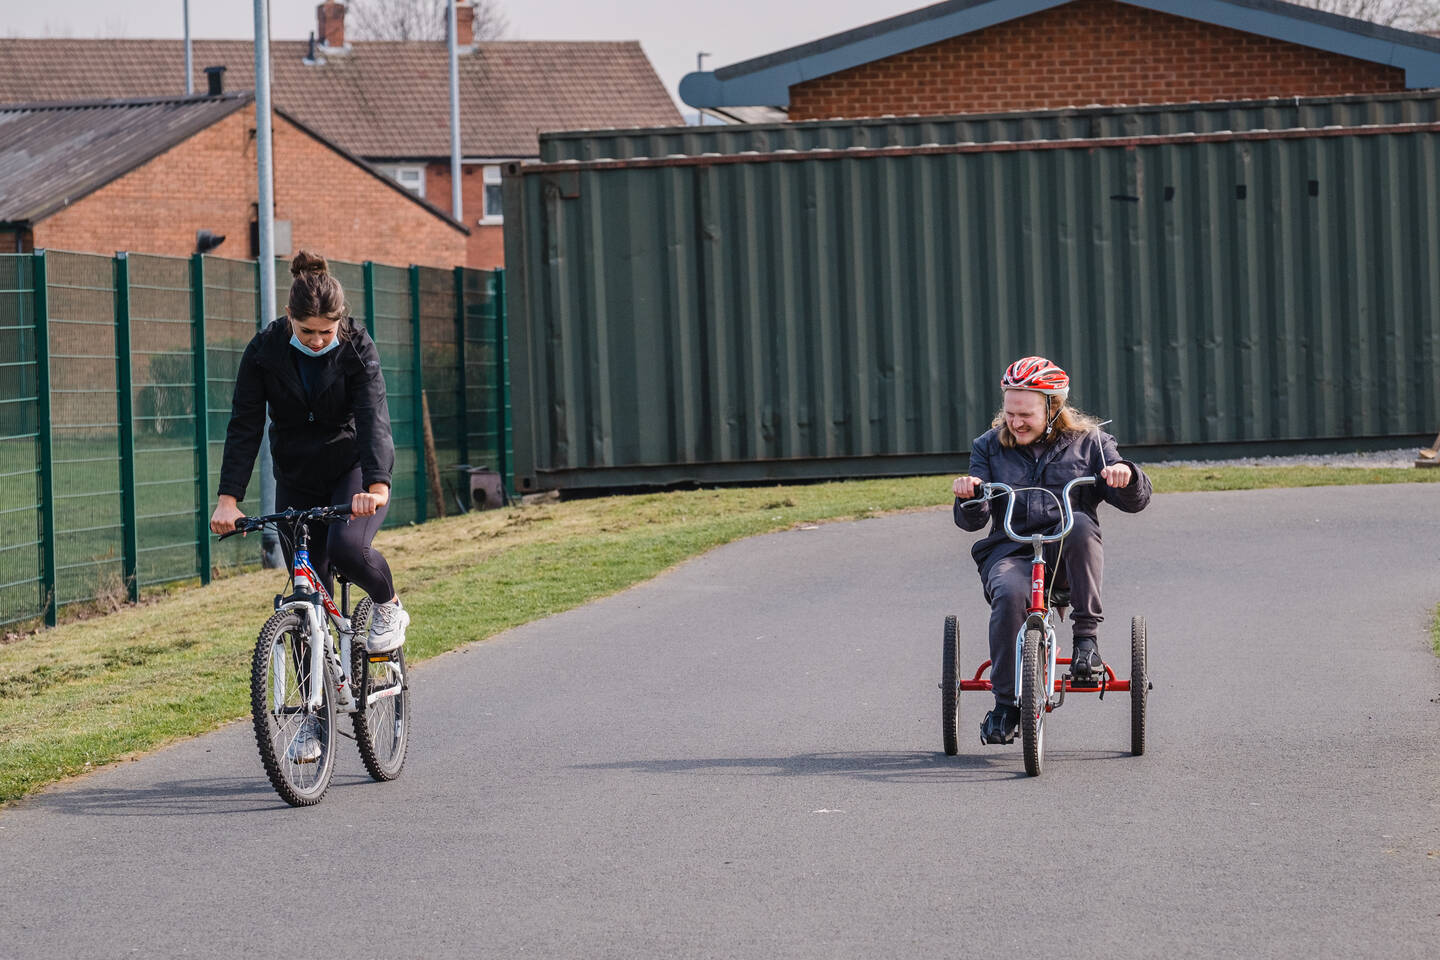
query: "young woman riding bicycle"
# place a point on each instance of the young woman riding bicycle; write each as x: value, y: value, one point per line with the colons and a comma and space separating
x: 319, y: 373
x: 1038, y: 440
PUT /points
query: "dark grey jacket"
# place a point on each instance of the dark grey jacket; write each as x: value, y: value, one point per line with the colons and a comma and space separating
x: 314, y: 439
x: 1051, y: 466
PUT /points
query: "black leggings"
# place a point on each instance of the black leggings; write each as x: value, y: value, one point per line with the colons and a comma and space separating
x: 343, y: 546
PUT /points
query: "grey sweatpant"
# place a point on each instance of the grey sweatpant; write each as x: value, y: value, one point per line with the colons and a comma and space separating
x: 1007, y: 590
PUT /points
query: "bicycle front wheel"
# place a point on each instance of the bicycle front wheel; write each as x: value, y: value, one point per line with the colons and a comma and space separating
x: 382, y: 693
x: 296, y: 743
x: 1034, y: 694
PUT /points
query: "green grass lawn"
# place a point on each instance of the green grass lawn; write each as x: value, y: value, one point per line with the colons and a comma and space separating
x: 94, y: 691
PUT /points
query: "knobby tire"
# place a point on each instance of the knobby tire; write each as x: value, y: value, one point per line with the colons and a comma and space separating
x: 283, y: 643
x: 382, y: 729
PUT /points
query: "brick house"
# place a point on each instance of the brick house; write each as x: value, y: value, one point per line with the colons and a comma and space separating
x: 386, y: 102
x: 154, y: 173
x: 977, y: 56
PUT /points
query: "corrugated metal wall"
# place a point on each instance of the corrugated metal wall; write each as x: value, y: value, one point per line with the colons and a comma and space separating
x: 1412, y: 106
x: 825, y: 314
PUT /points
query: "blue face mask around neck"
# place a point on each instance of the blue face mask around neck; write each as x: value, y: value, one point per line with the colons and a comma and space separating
x: 295, y: 342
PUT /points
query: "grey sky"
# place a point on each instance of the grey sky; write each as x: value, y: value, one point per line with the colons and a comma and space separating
x: 671, y: 31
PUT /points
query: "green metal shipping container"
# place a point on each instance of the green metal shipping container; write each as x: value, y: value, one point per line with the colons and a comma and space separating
x: 1071, y: 123
x: 841, y: 313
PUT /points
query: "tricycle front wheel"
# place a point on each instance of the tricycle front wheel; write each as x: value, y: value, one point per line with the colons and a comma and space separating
x: 1034, y: 694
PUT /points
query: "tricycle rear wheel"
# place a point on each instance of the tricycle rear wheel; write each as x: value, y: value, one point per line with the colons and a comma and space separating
x: 1139, y: 684
x: 950, y: 688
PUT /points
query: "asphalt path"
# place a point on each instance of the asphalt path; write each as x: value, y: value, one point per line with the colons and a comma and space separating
x: 742, y: 759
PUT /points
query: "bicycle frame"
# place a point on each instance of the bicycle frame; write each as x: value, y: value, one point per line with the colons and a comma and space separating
x: 315, y: 603
x: 311, y: 598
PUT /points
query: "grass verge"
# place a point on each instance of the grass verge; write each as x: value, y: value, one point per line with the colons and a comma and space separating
x: 1435, y: 632
x: 95, y: 691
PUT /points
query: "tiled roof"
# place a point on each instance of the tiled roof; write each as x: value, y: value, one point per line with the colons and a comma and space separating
x: 381, y: 100
x: 53, y: 154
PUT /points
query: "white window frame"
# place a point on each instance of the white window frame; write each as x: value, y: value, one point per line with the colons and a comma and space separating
x: 395, y: 171
x: 487, y: 218
x: 488, y: 179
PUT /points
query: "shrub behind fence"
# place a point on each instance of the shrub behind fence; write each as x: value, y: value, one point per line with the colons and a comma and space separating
x: 115, y: 381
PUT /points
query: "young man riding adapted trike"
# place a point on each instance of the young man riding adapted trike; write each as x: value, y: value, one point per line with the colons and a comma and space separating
x: 1038, y: 454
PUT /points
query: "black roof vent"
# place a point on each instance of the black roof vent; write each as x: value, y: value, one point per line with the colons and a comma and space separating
x: 216, y: 78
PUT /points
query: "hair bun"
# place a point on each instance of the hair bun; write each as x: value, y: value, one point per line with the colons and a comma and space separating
x: 307, y: 262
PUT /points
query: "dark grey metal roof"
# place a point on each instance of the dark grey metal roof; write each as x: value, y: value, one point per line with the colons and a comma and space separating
x: 766, y: 80
x: 53, y: 154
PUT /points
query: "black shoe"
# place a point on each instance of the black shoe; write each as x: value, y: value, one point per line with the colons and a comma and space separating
x: 1086, y: 664
x: 1001, y: 724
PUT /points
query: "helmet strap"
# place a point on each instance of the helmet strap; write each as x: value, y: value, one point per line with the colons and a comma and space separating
x: 1050, y: 420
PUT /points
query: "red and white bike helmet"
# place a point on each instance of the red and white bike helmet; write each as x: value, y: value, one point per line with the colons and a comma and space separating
x: 1037, y: 374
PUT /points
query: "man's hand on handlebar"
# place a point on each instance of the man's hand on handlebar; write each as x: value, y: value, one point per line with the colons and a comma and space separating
x: 1117, y: 475
x: 965, y: 487
x: 225, y: 515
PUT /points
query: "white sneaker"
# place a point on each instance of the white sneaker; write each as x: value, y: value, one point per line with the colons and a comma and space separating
x: 305, y: 748
x: 387, y: 627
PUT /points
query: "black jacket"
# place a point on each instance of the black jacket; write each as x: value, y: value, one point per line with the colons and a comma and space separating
x: 1052, y: 466
x: 314, y: 440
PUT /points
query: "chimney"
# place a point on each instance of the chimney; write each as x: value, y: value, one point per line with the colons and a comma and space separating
x: 330, y: 23
x: 215, y: 77
x: 464, y: 24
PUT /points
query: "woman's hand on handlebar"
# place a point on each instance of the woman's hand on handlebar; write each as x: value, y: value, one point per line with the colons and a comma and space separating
x: 227, y: 511
x: 965, y: 487
x: 365, y: 504
x: 1117, y: 475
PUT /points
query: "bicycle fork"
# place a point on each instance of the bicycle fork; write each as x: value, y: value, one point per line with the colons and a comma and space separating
x: 1037, y: 617
x: 321, y: 672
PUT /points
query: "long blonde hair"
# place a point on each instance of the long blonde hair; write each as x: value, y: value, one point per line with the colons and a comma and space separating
x: 1068, y: 420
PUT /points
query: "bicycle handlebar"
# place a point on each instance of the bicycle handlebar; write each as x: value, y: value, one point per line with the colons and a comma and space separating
x: 993, y: 490
x: 330, y: 514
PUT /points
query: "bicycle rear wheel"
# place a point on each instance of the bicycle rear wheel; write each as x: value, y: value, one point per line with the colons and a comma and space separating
x: 1034, y: 693
x: 297, y: 745
x: 382, y: 692
x: 950, y: 688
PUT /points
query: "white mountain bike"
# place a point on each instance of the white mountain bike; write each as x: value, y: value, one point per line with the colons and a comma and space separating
x: 310, y: 664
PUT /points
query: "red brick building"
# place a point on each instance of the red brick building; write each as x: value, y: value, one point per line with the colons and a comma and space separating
x: 386, y: 102
x: 975, y: 56
x: 158, y: 172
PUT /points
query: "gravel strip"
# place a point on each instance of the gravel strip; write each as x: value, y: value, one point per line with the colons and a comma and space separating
x: 1404, y: 457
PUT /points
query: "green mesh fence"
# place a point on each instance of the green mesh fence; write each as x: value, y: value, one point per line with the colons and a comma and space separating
x: 394, y: 333
x: 442, y: 378
x: 141, y: 354
x: 22, y: 587
x: 84, y: 427
x: 486, y: 437
x: 162, y: 372
x: 230, y: 308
